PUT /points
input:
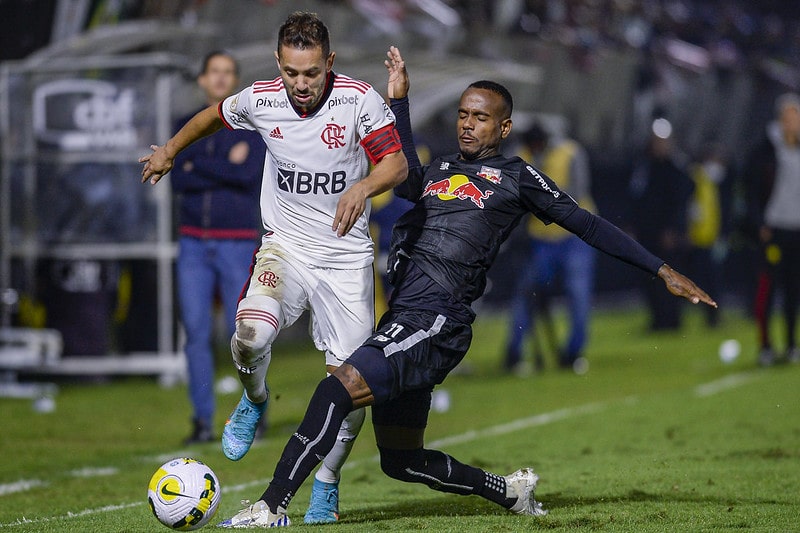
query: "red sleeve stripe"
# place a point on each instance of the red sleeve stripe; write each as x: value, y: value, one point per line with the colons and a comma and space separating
x: 340, y: 77
x: 381, y: 142
x: 273, y: 81
x: 354, y: 87
x: 350, y: 83
x: 268, y: 87
x: 271, y: 86
x: 222, y: 115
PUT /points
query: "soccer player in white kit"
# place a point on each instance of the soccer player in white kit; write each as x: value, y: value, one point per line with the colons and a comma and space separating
x: 321, y: 130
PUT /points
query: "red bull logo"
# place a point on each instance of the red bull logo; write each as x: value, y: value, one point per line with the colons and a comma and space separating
x: 457, y: 186
x: 491, y: 174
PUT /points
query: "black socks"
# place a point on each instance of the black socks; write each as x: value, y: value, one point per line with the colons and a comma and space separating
x: 312, y: 441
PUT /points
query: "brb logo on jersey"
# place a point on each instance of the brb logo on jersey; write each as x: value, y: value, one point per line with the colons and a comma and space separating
x: 333, y: 136
x: 456, y: 186
x: 308, y: 183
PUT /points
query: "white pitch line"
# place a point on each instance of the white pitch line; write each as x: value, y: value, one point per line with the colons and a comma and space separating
x: 705, y: 389
x: 519, y: 424
x: 21, y: 486
x: 85, y: 512
x: 514, y: 425
x: 469, y: 436
x: 94, y: 471
x: 730, y: 381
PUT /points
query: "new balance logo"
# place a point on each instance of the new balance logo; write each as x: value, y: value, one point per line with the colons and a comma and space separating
x: 276, y: 133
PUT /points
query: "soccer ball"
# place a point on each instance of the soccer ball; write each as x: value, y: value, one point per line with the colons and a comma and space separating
x: 184, y: 494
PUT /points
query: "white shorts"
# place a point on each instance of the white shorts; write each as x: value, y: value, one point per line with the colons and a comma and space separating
x: 341, y: 302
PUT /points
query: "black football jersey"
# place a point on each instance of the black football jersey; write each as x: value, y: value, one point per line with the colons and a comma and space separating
x: 465, y: 210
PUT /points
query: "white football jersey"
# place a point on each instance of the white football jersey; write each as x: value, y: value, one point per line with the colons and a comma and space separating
x: 311, y: 160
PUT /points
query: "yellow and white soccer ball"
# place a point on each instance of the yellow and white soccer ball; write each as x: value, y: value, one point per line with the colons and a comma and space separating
x: 184, y: 494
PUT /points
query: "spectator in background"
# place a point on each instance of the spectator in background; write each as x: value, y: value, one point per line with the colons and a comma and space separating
x: 555, y: 253
x: 660, y: 190
x: 705, y: 224
x: 217, y: 182
x: 774, y: 172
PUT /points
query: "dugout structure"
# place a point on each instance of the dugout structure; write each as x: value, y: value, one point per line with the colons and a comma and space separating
x: 72, y: 206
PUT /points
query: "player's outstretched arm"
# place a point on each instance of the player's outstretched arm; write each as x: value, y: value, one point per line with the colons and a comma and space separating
x: 680, y: 285
x: 605, y: 236
x: 398, y: 84
x: 157, y: 164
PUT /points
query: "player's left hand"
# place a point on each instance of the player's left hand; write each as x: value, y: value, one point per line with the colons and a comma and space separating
x: 398, y: 83
x: 156, y: 165
x: 351, y: 206
x: 680, y: 285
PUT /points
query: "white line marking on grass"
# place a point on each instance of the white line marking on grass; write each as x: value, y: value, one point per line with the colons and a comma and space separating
x: 164, y: 457
x: 516, y: 425
x: 21, y: 486
x: 703, y: 390
x: 94, y: 471
x: 501, y: 429
x: 469, y: 436
x: 85, y: 512
x: 722, y: 384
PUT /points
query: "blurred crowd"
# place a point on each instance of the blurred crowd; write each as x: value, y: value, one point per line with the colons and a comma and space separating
x: 732, y: 33
x: 688, y: 181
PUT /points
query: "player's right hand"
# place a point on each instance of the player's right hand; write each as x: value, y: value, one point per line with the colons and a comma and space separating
x: 156, y: 165
x: 398, y: 76
x: 350, y: 207
x: 680, y: 285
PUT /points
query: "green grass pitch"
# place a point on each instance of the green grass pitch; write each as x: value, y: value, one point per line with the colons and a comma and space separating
x: 659, y: 435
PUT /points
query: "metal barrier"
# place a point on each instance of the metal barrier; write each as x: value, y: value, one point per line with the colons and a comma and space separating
x: 71, y: 201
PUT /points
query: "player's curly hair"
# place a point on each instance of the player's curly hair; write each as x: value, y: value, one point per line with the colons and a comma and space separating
x: 304, y: 30
x: 498, y: 89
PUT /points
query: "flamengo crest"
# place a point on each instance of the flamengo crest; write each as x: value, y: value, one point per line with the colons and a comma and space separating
x: 333, y: 136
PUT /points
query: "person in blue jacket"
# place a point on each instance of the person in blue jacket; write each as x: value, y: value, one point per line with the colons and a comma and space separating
x: 217, y: 182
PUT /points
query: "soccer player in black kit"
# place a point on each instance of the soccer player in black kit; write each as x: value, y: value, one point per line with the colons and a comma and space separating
x: 466, y: 205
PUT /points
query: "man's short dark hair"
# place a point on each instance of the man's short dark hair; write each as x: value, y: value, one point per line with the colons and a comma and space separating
x: 304, y: 30
x: 497, y: 89
x: 216, y: 53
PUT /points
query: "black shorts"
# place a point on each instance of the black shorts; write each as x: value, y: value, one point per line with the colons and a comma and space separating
x: 411, y: 350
